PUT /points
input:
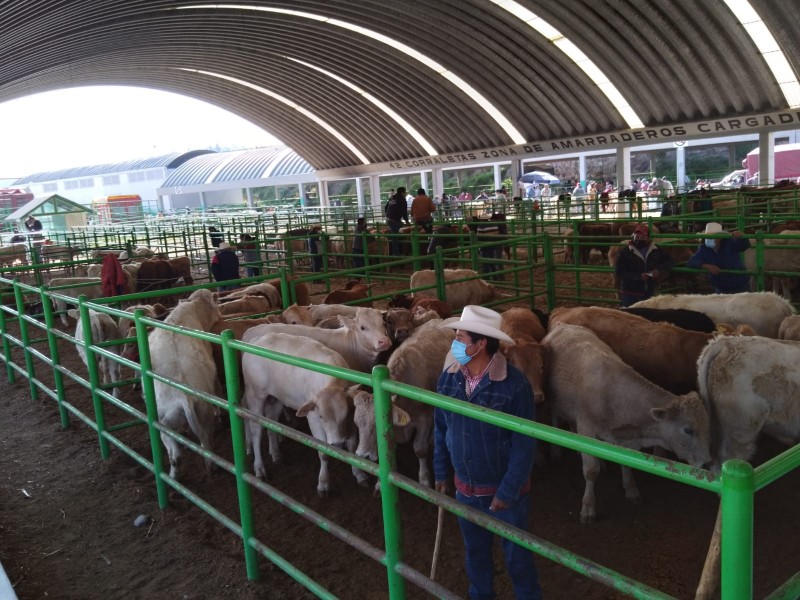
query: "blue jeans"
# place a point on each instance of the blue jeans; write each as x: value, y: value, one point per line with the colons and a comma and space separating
x: 478, y: 549
x: 394, y: 243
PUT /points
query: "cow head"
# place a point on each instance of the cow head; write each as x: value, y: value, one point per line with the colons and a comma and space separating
x: 369, y: 330
x: 529, y: 358
x: 399, y: 324
x: 330, y: 407
x: 684, y: 425
x: 364, y: 419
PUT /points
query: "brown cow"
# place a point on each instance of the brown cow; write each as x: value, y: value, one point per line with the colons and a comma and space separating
x: 664, y: 354
x: 355, y: 293
x: 526, y: 354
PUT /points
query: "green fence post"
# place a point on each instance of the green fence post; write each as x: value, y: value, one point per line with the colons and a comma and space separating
x: 26, y: 340
x: 288, y: 294
x: 231, y: 364
x: 6, y: 347
x: 392, y: 530
x: 738, y: 488
x: 94, y: 379
x: 760, y: 261
x: 549, y: 271
x: 415, y: 250
x: 149, y: 393
x: 52, y: 340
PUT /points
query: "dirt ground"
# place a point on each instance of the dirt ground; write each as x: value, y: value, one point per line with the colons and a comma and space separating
x: 67, y: 521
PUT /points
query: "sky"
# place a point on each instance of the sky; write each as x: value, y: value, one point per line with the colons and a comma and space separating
x: 80, y: 127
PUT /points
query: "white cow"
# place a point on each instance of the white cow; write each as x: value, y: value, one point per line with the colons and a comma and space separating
x: 89, y: 287
x: 590, y: 386
x: 321, y: 312
x: 270, y: 385
x: 458, y: 295
x: 189, y: 361
x: 763, y: 311
x: 104, y: 329
x: 790, y: 328
x: 360, y: 340
x: 418, y: 362
x: 752, y: 385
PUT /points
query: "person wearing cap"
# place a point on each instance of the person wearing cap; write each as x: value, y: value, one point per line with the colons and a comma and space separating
x: 717, y: 254
x: 640, y: 267
x: 491, y: 465
x: 422, y: 209
x: 225, y: 266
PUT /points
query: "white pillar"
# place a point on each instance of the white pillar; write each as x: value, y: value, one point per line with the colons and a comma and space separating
x: 360, y: 196
x: 438, y: 182
x: 680, y: 167
x: 766, y: 158
x: 515, y: 172
x: 582, y: 169
x: 249, y: 198
x: 623, y: 168
x: 277, y: 194
x: 323, y: 194
x: 301, y: 194
x: 498, y: 180
x: 375, y: 193
x: 423, y: 183
x: 203, y: 201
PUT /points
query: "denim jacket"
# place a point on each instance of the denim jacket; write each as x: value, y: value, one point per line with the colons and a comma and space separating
x: 483, y: 454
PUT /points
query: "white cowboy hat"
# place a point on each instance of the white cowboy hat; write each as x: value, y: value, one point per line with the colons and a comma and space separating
x: 478, y: 319
x: 224, y: 245
x: 713, y: 228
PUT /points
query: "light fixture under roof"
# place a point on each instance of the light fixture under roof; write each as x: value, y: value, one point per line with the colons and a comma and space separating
x: 577, y: 56
x: 471, y: 92
x: 418, y: 137
x: 768, y: 47
x: 330, y: 129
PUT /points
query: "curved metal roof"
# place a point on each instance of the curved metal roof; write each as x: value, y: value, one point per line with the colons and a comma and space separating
x: 169, y: 161
x: 336, y: 79
x: 237, y: 167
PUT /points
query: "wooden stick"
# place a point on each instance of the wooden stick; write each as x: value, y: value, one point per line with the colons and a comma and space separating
x: 437, y: 546
x: 709, y: 580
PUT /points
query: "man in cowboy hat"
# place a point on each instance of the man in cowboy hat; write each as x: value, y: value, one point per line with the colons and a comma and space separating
x: 225, y: 266
x: 492, y: 465
x: 640, y: 267
x: 716, y: 253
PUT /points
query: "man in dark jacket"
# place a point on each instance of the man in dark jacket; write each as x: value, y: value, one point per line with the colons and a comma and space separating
x: 640, y: 267
x: 716, y: 254
x: 492, y: 465
x: 396, y: 210
x: 225, y: 266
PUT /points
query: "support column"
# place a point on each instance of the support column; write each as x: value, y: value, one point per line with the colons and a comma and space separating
x: 249, y: 197
x: 423, y: 183
x: 375, y: 193
x: 680, y: 167
x: 515, y: 171
x: 438, y: 182
x: 766, y: 158
x: 498, y: 180
x: 623, y: 168
x: 277, y: 194
x: 360, y: 196
x: 582, y: 170
x: 323, y: 194
x: 302, y: 195
x: 202, y: 201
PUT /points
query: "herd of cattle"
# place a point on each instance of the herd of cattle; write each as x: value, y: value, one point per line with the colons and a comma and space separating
x: 700, y: 376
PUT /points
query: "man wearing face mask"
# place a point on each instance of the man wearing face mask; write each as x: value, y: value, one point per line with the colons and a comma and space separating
x: 640, y: 267
x: 716, y: 254
x: 492, y: 465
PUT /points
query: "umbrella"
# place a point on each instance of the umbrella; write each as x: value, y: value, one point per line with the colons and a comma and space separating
x: 539, y: 177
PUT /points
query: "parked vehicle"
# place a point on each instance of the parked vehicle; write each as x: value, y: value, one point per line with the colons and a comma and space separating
x: 732, y: 180
x: 787, y: 163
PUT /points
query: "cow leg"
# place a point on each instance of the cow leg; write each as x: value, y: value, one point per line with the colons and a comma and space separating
x: 629, y: 484
x: 323, y: 481
x: 422, y: 447
x: 591, y: 469
x: 173, y: 420
x: 112, y: 368
x: 361, y: 477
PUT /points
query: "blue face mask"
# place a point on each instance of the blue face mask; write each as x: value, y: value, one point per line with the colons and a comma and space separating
x: 459, y: 350
x: 711, y: 243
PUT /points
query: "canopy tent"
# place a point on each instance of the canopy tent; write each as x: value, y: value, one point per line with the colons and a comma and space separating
x: 55, y: 212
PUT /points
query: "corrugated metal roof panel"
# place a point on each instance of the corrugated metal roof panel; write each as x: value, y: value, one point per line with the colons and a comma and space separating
x: 261, y: 163
x: 138, y: 164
